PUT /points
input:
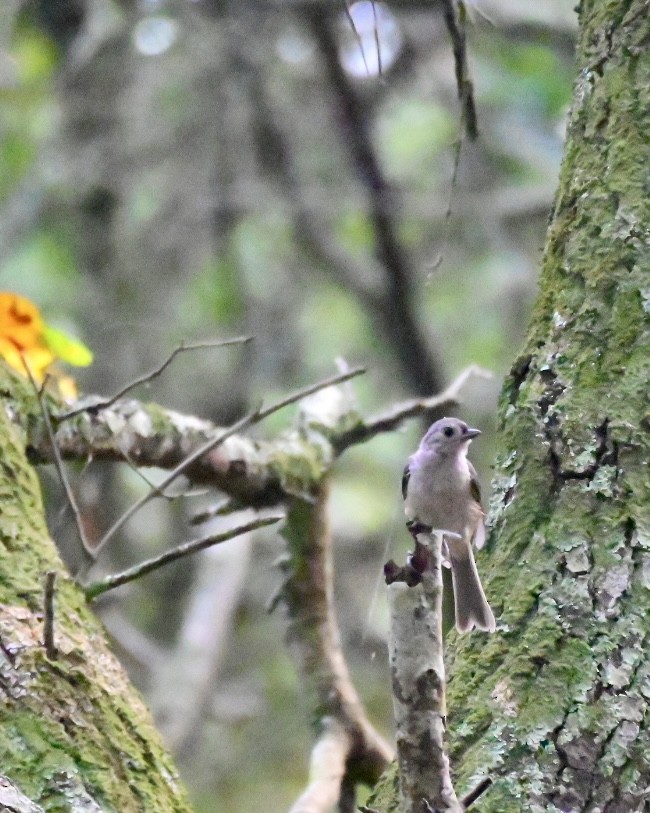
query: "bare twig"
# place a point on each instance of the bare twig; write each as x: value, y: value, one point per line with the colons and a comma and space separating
x: 454, y: 14
x: 413, y: 408
x: 138, y: 472
x: 48, y: 616
x: 437, y: 262
x: 377, y: 41
x: 95, y: 589
x: 357, y: 36
x: 147, y: 377
x: 220, y: 509
x: 469, y: 799
x: 249, y: 420
x: 418, y: 678
x: 58, y: 464
x: 158, y: 490
x: 326, y: 771
x: 303, y: 393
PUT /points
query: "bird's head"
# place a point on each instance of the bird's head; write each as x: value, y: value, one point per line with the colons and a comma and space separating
x: 449, y: 436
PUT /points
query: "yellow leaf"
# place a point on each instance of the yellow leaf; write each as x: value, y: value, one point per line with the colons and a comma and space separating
x: 66, y: 348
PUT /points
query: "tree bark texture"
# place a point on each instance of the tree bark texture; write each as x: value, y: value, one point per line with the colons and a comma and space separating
x: 415, y: 647
x: 554, y: 706
x: 74, y: 735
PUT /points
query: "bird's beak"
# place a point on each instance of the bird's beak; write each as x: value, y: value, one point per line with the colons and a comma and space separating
x: 471, y: 433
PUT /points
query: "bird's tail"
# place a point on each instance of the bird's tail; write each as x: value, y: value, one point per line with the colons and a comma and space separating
x: 471, y: 606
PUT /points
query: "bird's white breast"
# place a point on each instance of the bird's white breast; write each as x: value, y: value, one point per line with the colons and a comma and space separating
x: 438, y: 493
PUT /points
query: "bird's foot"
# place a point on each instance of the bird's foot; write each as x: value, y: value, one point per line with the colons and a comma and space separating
x: 420, y: 560
x: 415, y: 527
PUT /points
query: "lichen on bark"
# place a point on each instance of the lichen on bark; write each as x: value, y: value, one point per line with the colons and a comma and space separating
x: 74, y: 734
x: 554, y: 706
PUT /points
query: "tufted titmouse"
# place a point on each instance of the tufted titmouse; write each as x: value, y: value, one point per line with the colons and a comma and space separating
x: 441, y: 493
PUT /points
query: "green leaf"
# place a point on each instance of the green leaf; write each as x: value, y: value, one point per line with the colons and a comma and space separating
x: 66, y: 348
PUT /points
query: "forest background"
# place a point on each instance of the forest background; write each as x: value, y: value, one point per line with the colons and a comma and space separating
x: 186, y: 171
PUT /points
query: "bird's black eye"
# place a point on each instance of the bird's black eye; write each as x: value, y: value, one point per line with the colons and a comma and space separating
x: 448, y: 431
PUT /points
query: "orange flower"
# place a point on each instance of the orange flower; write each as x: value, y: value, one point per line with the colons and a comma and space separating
x: 27, y: 342
x: 21, y: 336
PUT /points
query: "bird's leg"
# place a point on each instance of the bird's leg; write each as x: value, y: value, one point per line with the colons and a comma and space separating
x: 417, y: 563
x: 420, y: 559
x: 415, y: 527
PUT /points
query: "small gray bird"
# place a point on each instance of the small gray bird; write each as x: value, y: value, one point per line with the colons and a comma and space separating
x: 441, y: 492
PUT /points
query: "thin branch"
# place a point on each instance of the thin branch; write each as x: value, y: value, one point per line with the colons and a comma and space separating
x: 469, y: 799
x: 437, y: 262
x: 101, y: 586
x: 48, y: 616
x: 220, y: 509
x: 454, y: 14
x: 249, y: 420
x: 158, y: 490
x: 310, y: 390
x: 58, y: 463
x: 413, y: 408
x: 147, y: 377
x: 357, y: 36
x: 377, y: 42
x: 326, y: 771
x: 137, y: 470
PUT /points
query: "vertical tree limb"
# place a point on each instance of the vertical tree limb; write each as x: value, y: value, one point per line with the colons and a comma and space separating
x: 327, y: 770
x: 314, y: 634
x: 416, y: 654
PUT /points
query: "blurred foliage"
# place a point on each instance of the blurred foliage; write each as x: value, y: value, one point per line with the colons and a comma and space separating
x: 159, y: 163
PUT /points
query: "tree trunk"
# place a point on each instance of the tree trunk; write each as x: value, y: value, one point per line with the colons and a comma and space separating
x: 554, y: 706
x: 74, y: 735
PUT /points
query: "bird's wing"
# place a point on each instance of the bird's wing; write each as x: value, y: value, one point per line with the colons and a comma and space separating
x: 474, y: 486
x: 405, y: 480
x: 475, y: 491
